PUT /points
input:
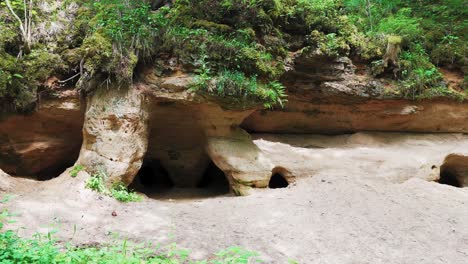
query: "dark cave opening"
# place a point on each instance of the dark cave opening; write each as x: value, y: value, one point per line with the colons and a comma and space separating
x: 154, y: 181
x: 449, y: 177
x: 152, y: 177
x: 454, y: 171
x: 214, y: 180
x: 277, y: 181
x: 56, y: 170
x: 40, y: 167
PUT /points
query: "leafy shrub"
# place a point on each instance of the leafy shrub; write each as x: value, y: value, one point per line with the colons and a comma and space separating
x: 14, y: 249
x: 402, y: 24
x: 96, y: 183
x: 118, y: 190
x: 418, y: 73
x: 121, y: 193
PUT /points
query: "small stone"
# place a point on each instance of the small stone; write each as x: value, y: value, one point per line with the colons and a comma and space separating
x: 114, y: 213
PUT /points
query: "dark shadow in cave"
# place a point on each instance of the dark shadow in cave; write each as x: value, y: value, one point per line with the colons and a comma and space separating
x: 154, y: 181
x: 23, y: 169
x: 449, y: 177
x: 152, y: 178
x: 277, y: 181
x: 56, y: 170
x: 214, y: 180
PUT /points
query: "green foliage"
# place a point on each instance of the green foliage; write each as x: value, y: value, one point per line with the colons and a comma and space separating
x: 44, y: 249
x: 5, y: 215
x: 118, y: 190
x: 109, y: 38
x: 97, y: 183
x: 121, y: 193
x: 419, y: 74
x: 16, y: 250
x: 236, y: 255
x: 240, y: 90
x: 402, y: 24
x: 330, y: 44
x: 76, y: 169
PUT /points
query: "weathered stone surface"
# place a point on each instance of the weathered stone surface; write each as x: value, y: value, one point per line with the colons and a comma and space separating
x: 115, y: 135
x: 327, y: 96
x: 45, y: 143
x: 381, y: 157
x: 182, y: 131
x: 241, y: 160
x: 5, y: 182
x: 317, y: 116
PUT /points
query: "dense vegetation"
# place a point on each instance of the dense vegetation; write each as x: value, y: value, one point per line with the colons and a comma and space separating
x: 237, y: 48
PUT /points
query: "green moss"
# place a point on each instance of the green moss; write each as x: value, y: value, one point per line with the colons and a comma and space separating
x: 109, y: 38
x: 211, y: 26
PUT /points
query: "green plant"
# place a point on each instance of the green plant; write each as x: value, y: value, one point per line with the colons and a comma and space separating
x: 43, y: 249
x: 236, y: 255
x: 76, y: 169
x: 240, y: 90
x: 5, y: 215
x: 118, y: 190
x: 121, y: 193
x: 96, y: 183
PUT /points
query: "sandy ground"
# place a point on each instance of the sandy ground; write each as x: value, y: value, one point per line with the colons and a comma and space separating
x: 363, y: 198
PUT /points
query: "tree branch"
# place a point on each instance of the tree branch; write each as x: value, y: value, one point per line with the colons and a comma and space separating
x: 23, y: 31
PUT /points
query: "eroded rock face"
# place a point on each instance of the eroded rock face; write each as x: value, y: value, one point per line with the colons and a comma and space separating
x: 115, y: 134
x: 368, y: 156
x: 43, y: 144
x: 327, y: 96
x: 160, y: 121
x: 330, y: 117
x: 241, y: 160
x: 187, y: 133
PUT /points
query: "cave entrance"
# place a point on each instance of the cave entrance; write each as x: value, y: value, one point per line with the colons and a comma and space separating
x: 449, y: 178
x: 56, y: 170
x: 40, y: 165
x: 152, y: 178
x: 214, y: 181
x: 454, y: 171
x: 154, y: 181
x: 277, y: 181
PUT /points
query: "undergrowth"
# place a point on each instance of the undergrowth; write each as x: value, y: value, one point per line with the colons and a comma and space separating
x: 118, y: 190
x: 108, y: 39
x: 76, y: 169
x: 45, y: 249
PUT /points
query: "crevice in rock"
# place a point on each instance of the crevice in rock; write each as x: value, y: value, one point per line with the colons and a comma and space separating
x: 277, y: 181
